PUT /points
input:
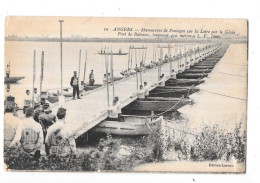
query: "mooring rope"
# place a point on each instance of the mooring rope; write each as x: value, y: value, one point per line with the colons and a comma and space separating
x: 231, y: 74
x: 169, y: 108
x: 224, y: 95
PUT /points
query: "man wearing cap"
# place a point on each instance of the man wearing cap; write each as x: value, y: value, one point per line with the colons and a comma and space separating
x: 29, y: 138
x: 91, y: 78
x: 38, y: 110
x: 74, y: 82
x: 46, y: 119
x: 59, y: 139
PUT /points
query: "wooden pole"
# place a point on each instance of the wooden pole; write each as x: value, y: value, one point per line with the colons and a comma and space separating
x: 153, y: 53
x: 128, y: 58
x: 180, y: 58
x: 106, y: 62
x: 136, y: 71
x: 34, y: 75
x: 141, y: 68
x: 158, y: 65
x: 185, y: 50
x: 42, y: 70
x: 61, y: 82
x: 145, y: 55
x: 131, y: 59
x: 79, y: 65
x: 112, y: 73
x: 169, y: 56
x: 85, y: 66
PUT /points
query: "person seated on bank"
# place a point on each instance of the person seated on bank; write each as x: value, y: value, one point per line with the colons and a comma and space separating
x: 59, y: 139
x: 29, y: 138
x: 104, y: 80
x: 74, y: 82
x: 114, y: 112
x: 11, y: 124
x: 91, y: 78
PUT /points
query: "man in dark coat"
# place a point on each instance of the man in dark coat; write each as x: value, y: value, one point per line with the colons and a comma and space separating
x: 74, y: 82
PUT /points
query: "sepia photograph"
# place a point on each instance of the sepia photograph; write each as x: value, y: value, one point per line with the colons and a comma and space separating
x: 118, y: 94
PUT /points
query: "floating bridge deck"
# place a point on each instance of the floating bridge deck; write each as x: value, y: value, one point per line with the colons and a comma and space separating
x: 85, y: 113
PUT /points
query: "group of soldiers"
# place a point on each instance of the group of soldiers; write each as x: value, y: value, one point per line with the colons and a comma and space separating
x: 39, y: 133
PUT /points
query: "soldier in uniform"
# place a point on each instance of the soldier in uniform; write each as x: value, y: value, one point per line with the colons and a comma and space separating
x: 162, y: 80
x: 59, y: 139
x: 91, y: 78
x: 29, y: 138
x: 74, y: 82
x: 141, y: 92
x: 115, y: 111
x: 38, y: 110
x: 146, y: 90
x: 105, y: 79
x: 46, y: 119
x: 27, y: 100
x: 11, y: 124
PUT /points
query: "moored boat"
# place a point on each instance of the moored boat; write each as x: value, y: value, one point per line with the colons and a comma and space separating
x: 180, y: 92
x: 197, y: 70
x: 157, y: 105
x: 13, y: 79
x: 184, y: 82
x: 131, y: 125
x: 201, y: 67
x: 191, y: 75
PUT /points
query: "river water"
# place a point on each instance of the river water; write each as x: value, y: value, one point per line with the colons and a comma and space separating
x: 20, y: 55
x: 222, y: 99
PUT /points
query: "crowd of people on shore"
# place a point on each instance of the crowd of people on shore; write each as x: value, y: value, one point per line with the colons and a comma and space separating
x: 40, y: 133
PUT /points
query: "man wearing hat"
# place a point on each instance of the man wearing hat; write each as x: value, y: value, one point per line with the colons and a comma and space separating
x: 59, y: 139
x: 29, y: 137
x: 74, y: 82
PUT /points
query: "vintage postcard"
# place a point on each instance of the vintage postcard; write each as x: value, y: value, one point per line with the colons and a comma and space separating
x: 125, y: 94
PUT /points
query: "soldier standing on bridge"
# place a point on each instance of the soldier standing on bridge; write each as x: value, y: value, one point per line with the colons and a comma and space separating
x: 91, y: 78
x: 74, y: 82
